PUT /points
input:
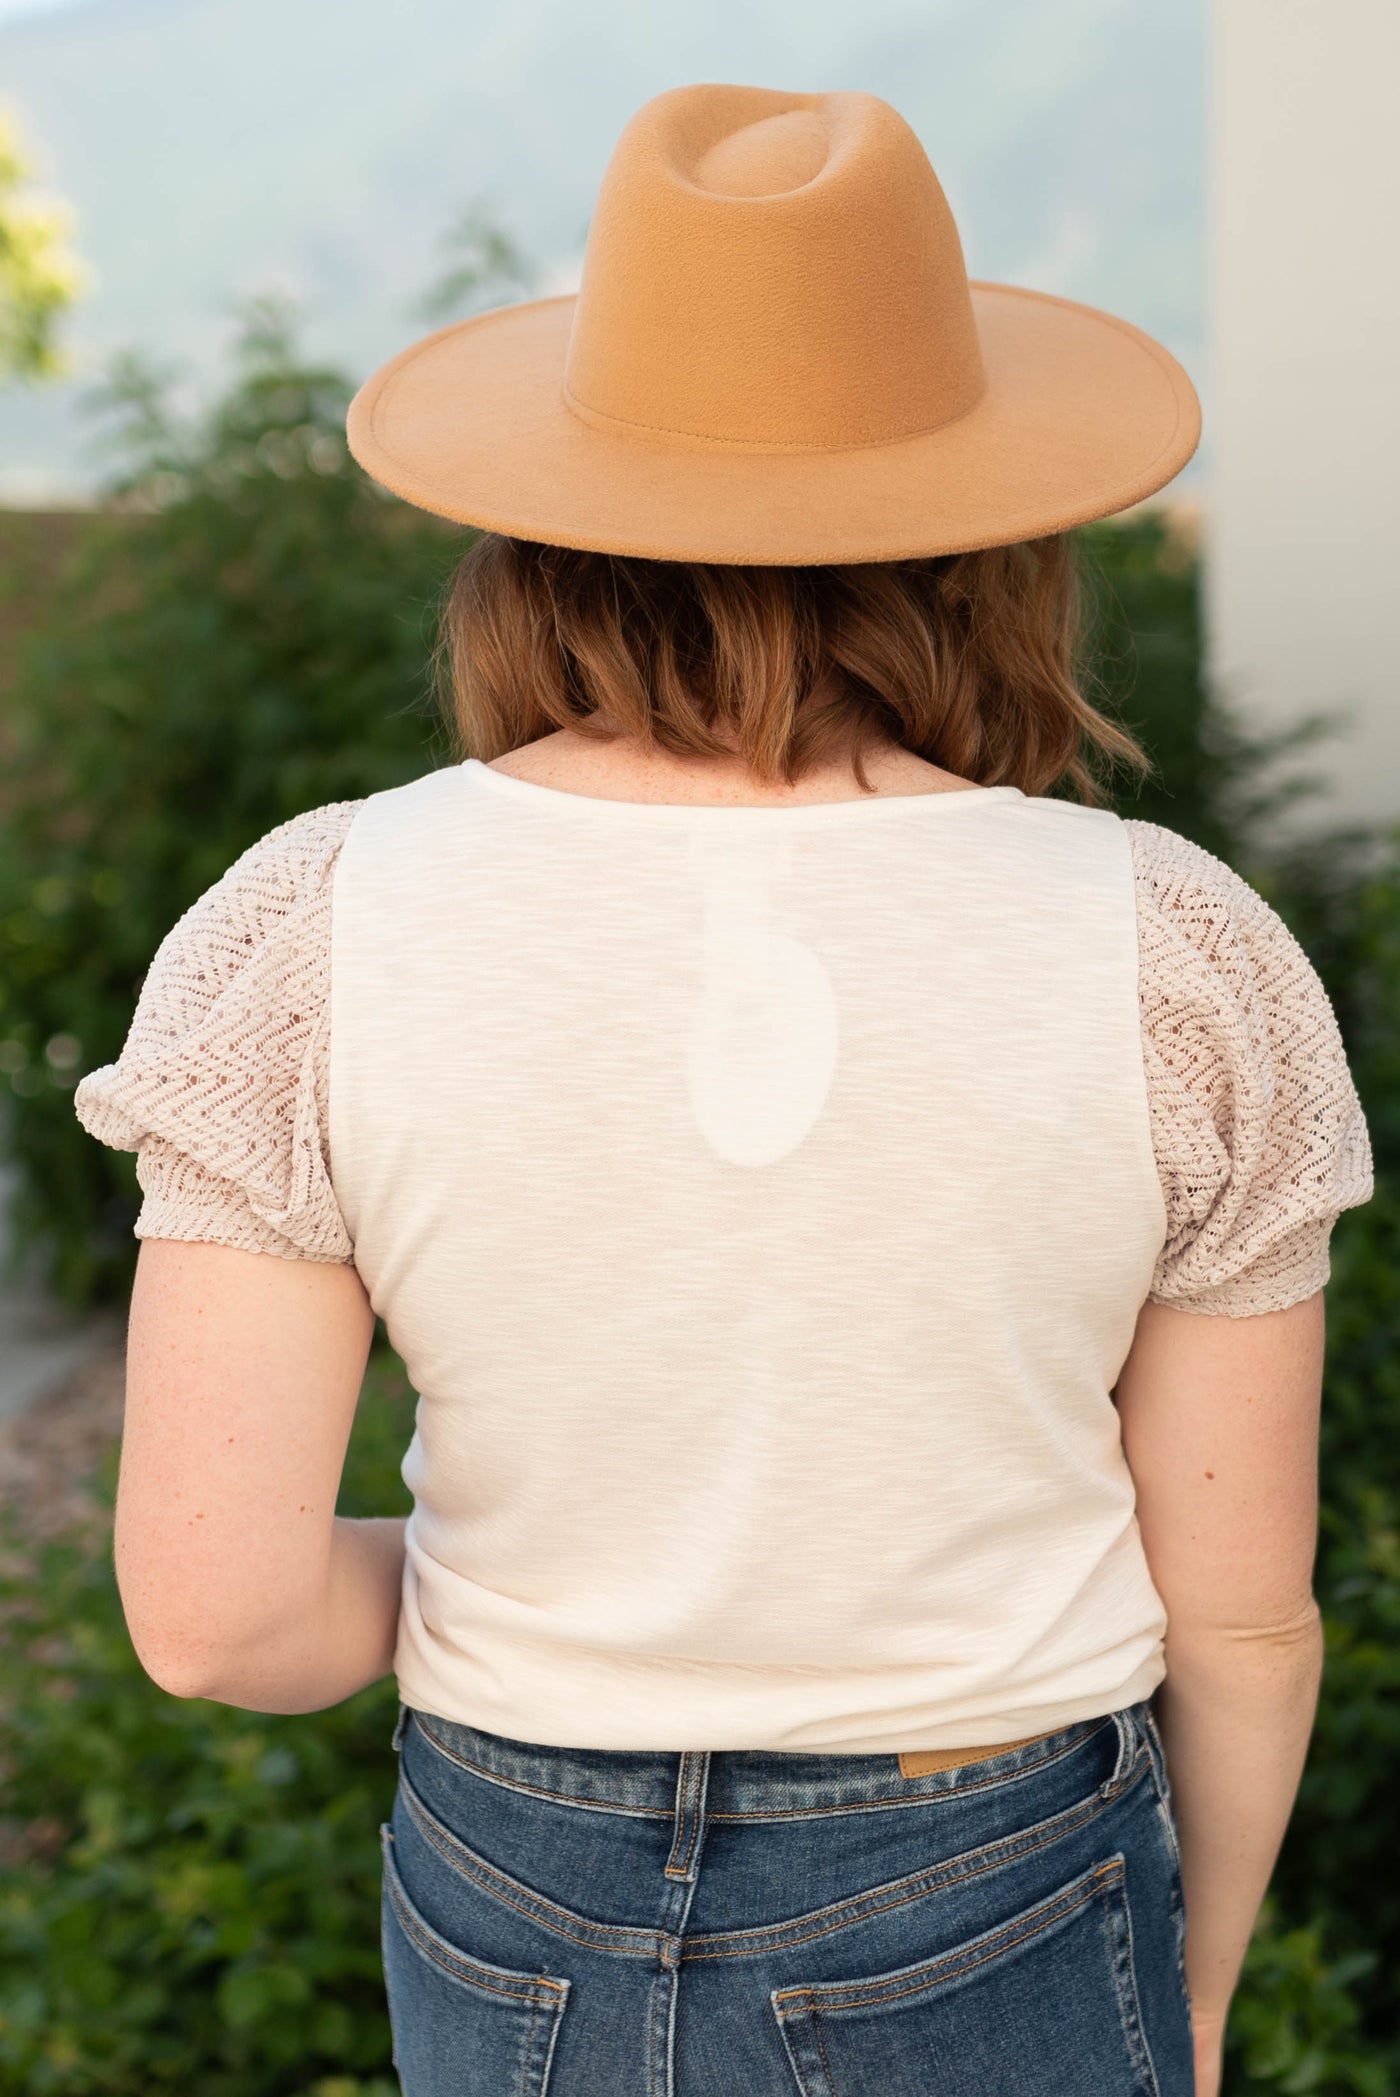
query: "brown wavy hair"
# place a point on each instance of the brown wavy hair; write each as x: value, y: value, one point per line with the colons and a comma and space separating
x: 967, y: 659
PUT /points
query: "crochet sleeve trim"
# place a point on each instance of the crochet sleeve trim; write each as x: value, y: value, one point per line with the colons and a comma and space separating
x: 221, y: 1084
x: 1257, y: 1129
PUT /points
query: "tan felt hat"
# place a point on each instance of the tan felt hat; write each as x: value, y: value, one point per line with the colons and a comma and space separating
x: 775, y: 356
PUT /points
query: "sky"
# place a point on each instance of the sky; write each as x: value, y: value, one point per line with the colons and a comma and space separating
x: 212, y: 149
x: 13, y: 8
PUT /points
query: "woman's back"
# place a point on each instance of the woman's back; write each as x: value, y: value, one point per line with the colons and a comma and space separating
x: 762, y: 1199
x: 739, y: 1184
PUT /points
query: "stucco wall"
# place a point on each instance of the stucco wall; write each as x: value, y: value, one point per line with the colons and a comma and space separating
x: 1303, y: 575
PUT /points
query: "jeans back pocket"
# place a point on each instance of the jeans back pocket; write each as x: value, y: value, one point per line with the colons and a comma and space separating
x: 1045, y: 2002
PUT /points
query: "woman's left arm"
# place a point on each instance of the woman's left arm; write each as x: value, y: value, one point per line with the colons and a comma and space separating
x: 239, y: 1581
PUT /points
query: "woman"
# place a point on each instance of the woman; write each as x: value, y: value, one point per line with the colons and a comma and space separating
x: 857, y: 1221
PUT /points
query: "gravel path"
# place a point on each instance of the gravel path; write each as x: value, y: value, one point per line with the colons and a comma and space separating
x: 49, y: 1452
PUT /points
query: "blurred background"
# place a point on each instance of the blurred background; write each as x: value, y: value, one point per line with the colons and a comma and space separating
x: 216, y: 218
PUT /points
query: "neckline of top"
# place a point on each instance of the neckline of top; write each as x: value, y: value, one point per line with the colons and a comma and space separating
x: 529, y: 791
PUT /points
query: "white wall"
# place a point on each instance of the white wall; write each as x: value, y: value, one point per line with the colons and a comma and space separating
x: 1303, y: 567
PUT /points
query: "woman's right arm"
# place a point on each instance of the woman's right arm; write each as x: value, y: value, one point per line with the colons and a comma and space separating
x: 1220, y: 1430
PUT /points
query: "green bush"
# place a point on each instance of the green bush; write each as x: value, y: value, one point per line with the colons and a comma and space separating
x: 241, y: 636
x: 189, y: 1894
x: 1144, y: 667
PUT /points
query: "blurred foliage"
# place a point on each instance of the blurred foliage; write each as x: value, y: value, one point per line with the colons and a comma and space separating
x: 482, y: 267
x: 40, y: 276
x: 1295, y: 2025
x: 243, y: 634
x: 1216, y: 779
x: 189, y: 1894
x: 189, y: 1898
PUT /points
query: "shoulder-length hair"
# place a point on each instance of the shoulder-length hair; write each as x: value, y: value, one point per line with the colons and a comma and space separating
x: 967, y: 659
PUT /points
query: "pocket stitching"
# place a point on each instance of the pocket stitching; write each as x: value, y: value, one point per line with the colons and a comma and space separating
x: 528, y: 1987
x: 458, y: 1858
x: 1164, y: 1807
x: 1178, y: 1900
x: 1130, y: 2007
x: 829, y: 1995
x: 1161, y: 1784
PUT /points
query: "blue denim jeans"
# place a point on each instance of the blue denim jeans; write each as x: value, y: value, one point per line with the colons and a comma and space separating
x: 582, y: 1922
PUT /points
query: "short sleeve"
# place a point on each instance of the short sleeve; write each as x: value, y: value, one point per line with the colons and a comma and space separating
x: 221, y: 1085
x: 1257, y: 1129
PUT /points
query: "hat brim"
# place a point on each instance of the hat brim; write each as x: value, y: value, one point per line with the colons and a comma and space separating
x: 1082, y: 415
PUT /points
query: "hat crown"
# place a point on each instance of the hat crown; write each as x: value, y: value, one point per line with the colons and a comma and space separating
x: 772, y: 271
x: 766, y: 157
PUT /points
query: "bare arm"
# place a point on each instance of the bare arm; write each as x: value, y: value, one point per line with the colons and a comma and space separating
x: 1220, y: 1430
x: 239, y: 1581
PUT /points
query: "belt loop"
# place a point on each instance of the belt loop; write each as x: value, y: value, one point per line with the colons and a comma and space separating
x: 1126, y: 1722
x: 400, y: 1727
x: 692, y: 1782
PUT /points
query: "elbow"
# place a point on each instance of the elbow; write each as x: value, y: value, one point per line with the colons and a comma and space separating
x: 263, y: 1675
x: 1288, y: 1651
x: 171, y: 1656
x: 177, y: 1687
x: 198, y: 1660
x: 178, y: 1676
x: 182, y: 1663
x: 211, y: 1681
x: 1299, y: 1628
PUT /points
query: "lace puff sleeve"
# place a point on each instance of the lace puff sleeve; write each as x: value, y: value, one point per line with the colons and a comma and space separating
x: 1259, y: 1135
x: 220, y: 1087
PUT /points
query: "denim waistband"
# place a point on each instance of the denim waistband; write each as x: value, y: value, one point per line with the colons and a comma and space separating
x: 755, y: 1780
